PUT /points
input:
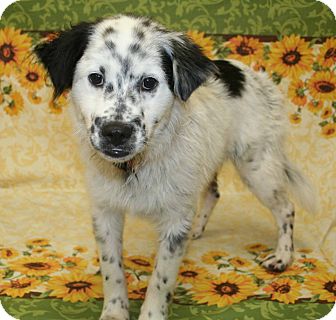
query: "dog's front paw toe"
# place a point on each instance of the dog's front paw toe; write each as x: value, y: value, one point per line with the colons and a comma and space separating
x: 275, y: 263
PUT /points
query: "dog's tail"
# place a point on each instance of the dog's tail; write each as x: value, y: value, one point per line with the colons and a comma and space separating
x: 301, y: 188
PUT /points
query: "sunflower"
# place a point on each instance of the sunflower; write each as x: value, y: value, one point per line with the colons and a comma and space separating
x: 327, y: 112
x: 80, y: 249
x: 245, y: 49
x: 256, y: 248
x: 19, y: 287
x: 33, y: 97
x: 191, y: 273
x: 304, y: 250
x: 31, y: 75
x: 15, y: 105
x: 327, y: 55
x: 139, y: 263
x: 290, y: 57
x: 205, y: 43
x: 284, y: 290
x: 38, y: 242
x: 227, y: 289
x: 137, y: 290
x: 315, y: 106
x: 75, y: 287
x: 56, y: 106
x: 8, y: 253
x: 312, y: 265
x: 95, y: 261
x: 74, y: 263
x: 322, y: 85
x: 295, y: 118
x: 35, y: 266
x: 329, y: 130
x: 240, y: 262
x: 54, y: 255
x: 212, y: 257
x: 296, y: 92
x: 265, y: 274
x: 323, y: 284
x: 14, y: 47
x: 39, y: 250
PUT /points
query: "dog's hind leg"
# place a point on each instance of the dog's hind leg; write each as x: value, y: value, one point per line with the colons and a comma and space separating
x: 264, y: 173
x: 210, y: 200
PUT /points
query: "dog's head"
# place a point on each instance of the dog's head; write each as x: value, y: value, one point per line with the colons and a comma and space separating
x: 124, y: 74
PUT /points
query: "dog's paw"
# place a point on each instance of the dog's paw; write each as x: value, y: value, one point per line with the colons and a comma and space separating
x: 277, y: 262
x: 113, y: 311
x: 196, y: 234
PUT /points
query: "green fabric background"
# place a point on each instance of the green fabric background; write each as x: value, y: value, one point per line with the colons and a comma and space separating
x: 262, y: 17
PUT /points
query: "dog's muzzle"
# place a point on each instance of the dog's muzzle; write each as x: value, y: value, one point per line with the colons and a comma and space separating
x: 115, y: 139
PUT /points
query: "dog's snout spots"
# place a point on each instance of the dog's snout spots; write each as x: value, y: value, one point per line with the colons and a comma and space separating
x: 98, y: 121
x: 109, y: 88
x: 137, y: 121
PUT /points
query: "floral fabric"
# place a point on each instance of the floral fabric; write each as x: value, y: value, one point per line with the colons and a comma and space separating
x: 47, y: 250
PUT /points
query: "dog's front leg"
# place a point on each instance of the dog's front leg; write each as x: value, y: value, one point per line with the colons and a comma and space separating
x: 174, y: 234
x: 108, y: 229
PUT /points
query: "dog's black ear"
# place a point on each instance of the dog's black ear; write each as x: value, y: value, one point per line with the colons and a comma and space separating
x: 61, y: 55
x: 190, y: 67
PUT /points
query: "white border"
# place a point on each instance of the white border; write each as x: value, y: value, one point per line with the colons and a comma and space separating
x: 5, y: 3
x: 331, y: 4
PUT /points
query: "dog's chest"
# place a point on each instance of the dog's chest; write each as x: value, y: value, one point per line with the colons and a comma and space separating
x: 149, y: 190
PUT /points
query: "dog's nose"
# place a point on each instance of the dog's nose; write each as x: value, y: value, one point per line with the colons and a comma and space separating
x: 118, y: 133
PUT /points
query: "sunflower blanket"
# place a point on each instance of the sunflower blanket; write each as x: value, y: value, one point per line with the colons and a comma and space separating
x: 48, y: 262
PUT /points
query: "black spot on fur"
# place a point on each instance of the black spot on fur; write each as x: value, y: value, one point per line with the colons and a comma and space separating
x: 107, y: 278
x: 108, y: 31
x: 232, y: 76
x: 139, y: 34
x: 168, y: 297
x: 192, y: 67
x: 165, y: 279
x: 110, y: 44
x: 60, y: 56
x: 109, y: 88
x: 134, y: 48
x: 176, y: 240
x: 112, y: 260
x: 102, y: 70
x: 284, y: 227
x: 105, y: 258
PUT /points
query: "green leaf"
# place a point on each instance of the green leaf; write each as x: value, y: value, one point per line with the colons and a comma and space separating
x: 8, y: 274
x: 8, y: 89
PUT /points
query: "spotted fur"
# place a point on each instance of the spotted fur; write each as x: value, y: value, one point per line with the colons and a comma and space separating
x: 170, y: 141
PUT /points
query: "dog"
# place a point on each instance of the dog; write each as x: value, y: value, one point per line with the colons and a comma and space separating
x: 156, y: 119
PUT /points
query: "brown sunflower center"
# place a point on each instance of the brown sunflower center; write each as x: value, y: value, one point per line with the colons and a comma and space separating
x: 7, y: 53
x: 19, y: 285
x: 189, y: 274
x: 8, y: 253
x: 37, y: 265
x: 330, y: 131
x: 78, y: 285
x: 244, y: 50
x: 285, y: 288
x: 226, y: 288
x: 291, y: 57
x: 331, y: 53
x: 141, y: 262
x: 32, y: 76
x: 331, y: 287
x: 324, y: 86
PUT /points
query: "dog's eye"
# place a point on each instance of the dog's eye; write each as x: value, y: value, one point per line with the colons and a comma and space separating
x: 148, y: 84
x: 96, y: 79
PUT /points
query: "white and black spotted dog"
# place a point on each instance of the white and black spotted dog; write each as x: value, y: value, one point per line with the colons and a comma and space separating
x: 157, y: 119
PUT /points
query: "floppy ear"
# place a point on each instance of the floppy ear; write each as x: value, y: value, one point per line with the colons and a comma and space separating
x: 190, y: 67
x: 61, y: 55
